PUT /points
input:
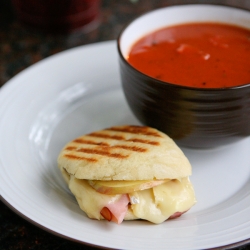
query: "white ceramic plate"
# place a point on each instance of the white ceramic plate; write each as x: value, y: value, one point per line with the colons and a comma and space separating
x: 79, y: 91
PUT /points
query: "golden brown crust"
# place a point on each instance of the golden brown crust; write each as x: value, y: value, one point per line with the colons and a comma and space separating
x: 124, y: 153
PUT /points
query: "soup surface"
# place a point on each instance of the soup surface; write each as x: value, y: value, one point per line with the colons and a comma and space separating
x: 205, y: 55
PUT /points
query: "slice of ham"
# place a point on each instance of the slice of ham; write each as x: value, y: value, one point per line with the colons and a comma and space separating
x: 176, y: 215
x: 116, y: 211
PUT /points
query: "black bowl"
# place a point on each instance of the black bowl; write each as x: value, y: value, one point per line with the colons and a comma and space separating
x: 193, y: 117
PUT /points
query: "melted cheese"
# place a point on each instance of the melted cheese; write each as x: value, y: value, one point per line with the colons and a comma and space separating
x: 156, y: 204
x: 159, y: 203
x: 89, y: 200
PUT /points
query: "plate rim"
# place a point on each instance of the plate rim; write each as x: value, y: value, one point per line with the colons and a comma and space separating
x: 224, y: 247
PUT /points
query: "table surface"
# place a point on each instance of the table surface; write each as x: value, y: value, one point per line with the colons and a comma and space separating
x: 21, y: 47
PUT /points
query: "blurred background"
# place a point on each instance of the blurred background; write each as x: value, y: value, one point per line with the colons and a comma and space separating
x: 30, y: 33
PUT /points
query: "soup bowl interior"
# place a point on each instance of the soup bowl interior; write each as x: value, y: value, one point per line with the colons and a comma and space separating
x: 193, y: 117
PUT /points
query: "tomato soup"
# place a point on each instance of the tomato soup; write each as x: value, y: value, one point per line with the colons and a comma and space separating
x: 203, y: 55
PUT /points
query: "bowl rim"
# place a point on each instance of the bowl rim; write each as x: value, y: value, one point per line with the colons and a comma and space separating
x: 162, y: 83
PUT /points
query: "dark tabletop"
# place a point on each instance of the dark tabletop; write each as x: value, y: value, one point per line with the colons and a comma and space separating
x: 21, y: 47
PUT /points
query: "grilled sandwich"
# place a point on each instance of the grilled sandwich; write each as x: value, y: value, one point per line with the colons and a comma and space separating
x: 126, y: 173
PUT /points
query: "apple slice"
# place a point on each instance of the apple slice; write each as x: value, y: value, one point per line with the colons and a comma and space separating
x: 123, y: 187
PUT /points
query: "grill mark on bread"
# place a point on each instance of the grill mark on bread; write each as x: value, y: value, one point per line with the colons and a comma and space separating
x: 154, y: 143
x: 74, y: 157
x: 105, y: 148
x: 83, y: 141
x: 70, y: 148
x: 115, y: 137
x: 133, y: 148
x: 102, y: 150
x: 143, y: 130
x: 106, y: 136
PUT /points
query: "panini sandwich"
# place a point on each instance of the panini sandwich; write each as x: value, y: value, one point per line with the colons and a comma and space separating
x: 126, y: 173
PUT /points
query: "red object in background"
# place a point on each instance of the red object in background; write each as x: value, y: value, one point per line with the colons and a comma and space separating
x: 200, y: 55
x: 58, y: 16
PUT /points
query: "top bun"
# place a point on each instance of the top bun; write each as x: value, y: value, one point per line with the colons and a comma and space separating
x: 124, y: 153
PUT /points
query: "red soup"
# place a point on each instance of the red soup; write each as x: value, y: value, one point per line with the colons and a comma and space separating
x: 204, y: 55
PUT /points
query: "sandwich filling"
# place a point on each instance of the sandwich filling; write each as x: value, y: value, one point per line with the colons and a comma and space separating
x: 167, y: 199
